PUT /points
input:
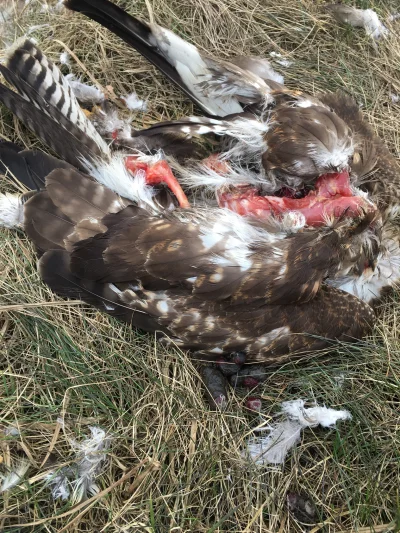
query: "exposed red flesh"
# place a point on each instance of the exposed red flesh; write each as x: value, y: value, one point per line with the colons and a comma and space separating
x: 253, y: 403
x: 332, y: 197
x: 157, y: 173
x: 218, y: 165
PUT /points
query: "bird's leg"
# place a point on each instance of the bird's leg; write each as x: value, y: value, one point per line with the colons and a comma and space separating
x: 158, y: 173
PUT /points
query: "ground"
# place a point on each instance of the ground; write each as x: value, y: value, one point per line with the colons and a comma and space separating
x: 64, y: 362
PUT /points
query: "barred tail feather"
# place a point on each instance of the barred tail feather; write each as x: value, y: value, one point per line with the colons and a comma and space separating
x: 68, y: 141
x: 27, y: 67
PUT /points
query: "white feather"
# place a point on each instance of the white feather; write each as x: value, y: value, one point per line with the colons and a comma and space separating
x: 65, y: 58
x: 362, y: 18
x: 283, y: 436
x: 109, y: 123
x: 192, y: 68
x: 114, y: 175
x: 133, y: 102
x: 201, y: 175
x: 91, y: 455
x: 58, y: 484
x: 11, y: 210
x: 285, y: 63
x: 15, y: 476
x: 337, y: 158
x: 85, y: 93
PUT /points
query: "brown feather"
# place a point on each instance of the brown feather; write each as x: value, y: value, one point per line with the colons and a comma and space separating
x: 45, y: 224
x: 79, y: 197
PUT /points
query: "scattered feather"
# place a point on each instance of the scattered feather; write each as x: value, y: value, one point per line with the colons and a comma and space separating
x: 11, y: 210
x: 58, y: 484
x: 85, y: 93
x: 65, y: 58
x: 46, y: 8
x: 133, y: 102
x: 109, y: 124
x: 339, y: 380
x: 284, y: 62
x: 283, y: 436
x: 36, y: 27
x: 91, y: 454
x: 11, y: 431
x: 395, y: 98
x: 14, y: 477
x: 359, y: 18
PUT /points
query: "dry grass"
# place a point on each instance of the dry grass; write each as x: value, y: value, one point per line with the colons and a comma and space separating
x: 65, y: 360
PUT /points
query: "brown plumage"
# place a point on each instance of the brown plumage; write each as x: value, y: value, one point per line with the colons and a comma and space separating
x: 299, y: 140
x: 291, y: 138
x: 45, y: 103
x: 212, y: 282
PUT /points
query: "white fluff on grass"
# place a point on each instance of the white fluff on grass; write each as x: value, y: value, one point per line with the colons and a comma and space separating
x: 273, y: 447
x: 78, y: 480
x: 134, y: 103
x: 14, y: 477
x: 91, y: 455
x: 58, y: 484
x: 65, y: 58
x: 360, y: 18
x: 284, y: 62
x: 85, y: 93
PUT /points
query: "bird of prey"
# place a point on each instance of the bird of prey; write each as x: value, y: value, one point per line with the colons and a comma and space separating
x: 300, y: 158
x: 208, y: 279
x: 211, y: 280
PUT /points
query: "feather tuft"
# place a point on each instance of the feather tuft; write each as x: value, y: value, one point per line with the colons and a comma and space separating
x: 283, y: 436
x: 58, y: 484
x: 359, y: 18
x: 15, y: 476
x: 92, y: 453
x: 11, y: 210
x: 85, y: 93
x: 134, y: 103
x: 114, y: 175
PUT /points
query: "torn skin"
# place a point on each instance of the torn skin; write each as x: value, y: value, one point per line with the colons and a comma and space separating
x: 156, y: 174
x: 332, y: 197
